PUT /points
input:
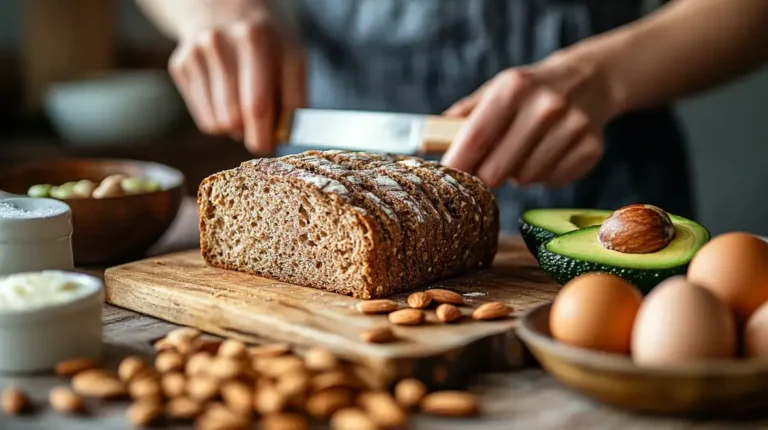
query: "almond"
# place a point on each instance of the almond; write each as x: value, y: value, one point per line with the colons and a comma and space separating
x: 218, y: 416
x: 419, y: 300
x: 164, y: 344
x: 320, y: 360
x: 65, y: 401
x: 492, y: 311
x: 226, y: 368
x: 237, y: 396
x: 284, y: 422
x: 268, y: 400
x: 323, y: 404
x: 448, y: 313
x: 407, y: 317
x: 183, y: 334
x: 210, y: 346
x: 377, y: 306
x: 382, y: 409
x: 173, y: 384
x: 14, y: 401
x: 145, y: 387
x: 327, y: 380
x: 450, y: 403
x: 276, y: 366
x: 199, y: 363
x: 97, y: 383
x: 378, y: 335
x: 169, y: 361
x: 409, y: 392
x: 144, y: 412
x: 203, y: 387
x: 76, y: 365
x: 183, y: 408
x: 130, y: 367
x: 351, y: 419
x: 269, y: 350
x: 292, y: 384
x: 232, y: 348
x: 446, y: 296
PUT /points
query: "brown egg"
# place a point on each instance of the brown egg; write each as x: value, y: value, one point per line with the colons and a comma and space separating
x: 680, y: 322
x: 595, y: 311
x: 756, y: 333
x: 734, y: 266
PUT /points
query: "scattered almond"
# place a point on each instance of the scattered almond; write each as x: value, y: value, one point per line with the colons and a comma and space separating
x: 199, y: 363
x: 327, y: 380
x: 65, y: 401
x: 492, y: 311
x: 144, y: 412
x: 217, y: 416
x: 164, y: 344
x: 378, y: 335
x: 409, y: 392
x: 269, y: 350
x: 320, y: 360
x: 351, y: 419
x: 173, y: 384
x: 14, y: 401
x: 382, y: 409
x: 169, y: 361
x: 450, y: 403
x: 74, y: 366
x: 448, y: 313
x: 203, y: 387
x: 322, y: 404
x: 237, y: 396
x: 98, y: 383
x: 183, y: 334
x: 183, y: 408
x: 276, y: 366
x: 210, y: 346
x: 419, y: 300
x: 446, y: 296
x: 292, y: 383
x: 407, y: 317
x: 284, y: 422
x: 376, y: 306
x: 145, y: 387
x: 268, y: 400
x: 130, y: 367
x: 232, y: 348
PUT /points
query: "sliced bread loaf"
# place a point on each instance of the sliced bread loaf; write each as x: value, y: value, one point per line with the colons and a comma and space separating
x: 362, y: 225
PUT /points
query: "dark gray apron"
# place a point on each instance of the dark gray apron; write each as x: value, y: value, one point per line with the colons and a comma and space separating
x: 422, y: 55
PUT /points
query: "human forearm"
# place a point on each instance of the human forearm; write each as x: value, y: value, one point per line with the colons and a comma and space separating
x: 685, y: 47
x: 177, y: 18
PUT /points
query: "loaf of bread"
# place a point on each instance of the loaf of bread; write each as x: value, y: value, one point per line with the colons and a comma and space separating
x: 354, y: 223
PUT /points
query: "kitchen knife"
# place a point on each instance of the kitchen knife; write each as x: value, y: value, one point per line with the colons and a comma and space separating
x: 389, y: 132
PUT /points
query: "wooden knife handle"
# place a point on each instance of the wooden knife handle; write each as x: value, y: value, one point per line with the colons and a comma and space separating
x: 438, y: 134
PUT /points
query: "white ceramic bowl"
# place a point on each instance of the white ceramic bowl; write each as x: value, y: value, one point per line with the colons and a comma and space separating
x: 115, y: 108
x: 36, y: 339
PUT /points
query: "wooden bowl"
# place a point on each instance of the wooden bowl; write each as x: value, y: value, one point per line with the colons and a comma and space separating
x: 720, y: 388
x: 112, y: 229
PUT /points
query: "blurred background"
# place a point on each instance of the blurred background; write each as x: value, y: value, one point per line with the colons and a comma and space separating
x: 45, y: 112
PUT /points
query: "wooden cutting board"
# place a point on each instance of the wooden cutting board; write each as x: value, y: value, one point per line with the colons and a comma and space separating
x: 182, y: 289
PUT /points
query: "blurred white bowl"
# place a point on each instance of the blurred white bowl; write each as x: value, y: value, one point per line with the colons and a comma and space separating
x: 116, y: 107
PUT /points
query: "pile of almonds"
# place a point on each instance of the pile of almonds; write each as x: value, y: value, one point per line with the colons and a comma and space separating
x: 447, y: 311
x: 226, y: 385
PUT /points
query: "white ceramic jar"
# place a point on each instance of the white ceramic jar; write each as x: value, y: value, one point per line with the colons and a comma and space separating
x: 47, y: 317
x: 35, y: 234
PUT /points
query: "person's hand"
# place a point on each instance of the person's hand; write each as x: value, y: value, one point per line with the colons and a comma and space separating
x: 538, y: 124
x: 235, y: 78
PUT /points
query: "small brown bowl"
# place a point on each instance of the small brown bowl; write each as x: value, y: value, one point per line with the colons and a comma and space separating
x: 111, y: 229
x: 732, y: 388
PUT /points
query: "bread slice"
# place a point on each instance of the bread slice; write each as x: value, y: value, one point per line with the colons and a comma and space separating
x: 365, y: 227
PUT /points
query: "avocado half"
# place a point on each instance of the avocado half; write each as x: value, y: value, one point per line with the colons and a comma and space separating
x: 569, y: 255
x: 540, y: 225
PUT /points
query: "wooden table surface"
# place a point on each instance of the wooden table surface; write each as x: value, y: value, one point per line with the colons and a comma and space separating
x: 525, y: 399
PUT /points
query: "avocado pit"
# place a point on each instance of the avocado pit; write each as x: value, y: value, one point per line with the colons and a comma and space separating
x: 637, y: 229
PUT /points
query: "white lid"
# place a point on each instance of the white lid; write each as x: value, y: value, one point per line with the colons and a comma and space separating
x: 33, y: 219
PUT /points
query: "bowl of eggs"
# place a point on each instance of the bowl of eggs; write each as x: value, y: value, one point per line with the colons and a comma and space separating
x: 696, y: 344
x: 120, y: 208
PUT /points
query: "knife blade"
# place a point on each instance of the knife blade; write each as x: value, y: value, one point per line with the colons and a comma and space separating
x: 389, y: 132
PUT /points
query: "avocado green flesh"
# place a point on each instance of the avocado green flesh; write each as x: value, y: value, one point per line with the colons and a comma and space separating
x: 540, y: 225
x: 572, y: 254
